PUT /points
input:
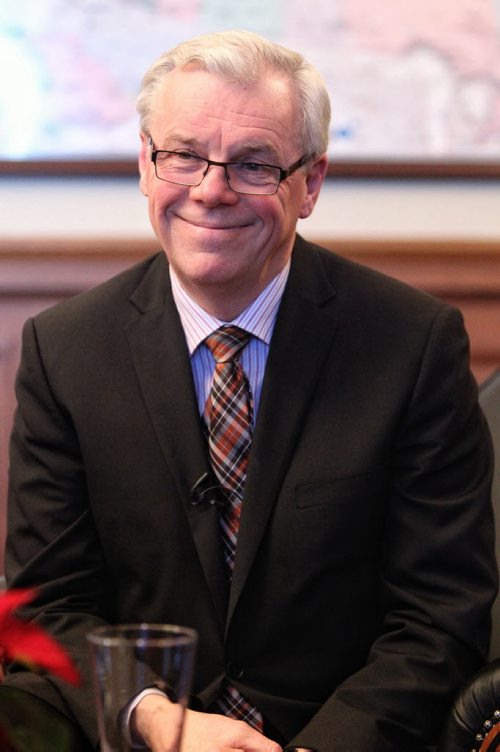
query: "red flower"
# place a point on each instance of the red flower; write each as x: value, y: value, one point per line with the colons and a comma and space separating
x: 27, y: 643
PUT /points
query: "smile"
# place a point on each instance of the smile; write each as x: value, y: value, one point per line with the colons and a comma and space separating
x: 202, y: 225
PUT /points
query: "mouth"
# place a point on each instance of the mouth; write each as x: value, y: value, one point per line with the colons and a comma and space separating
x: 208, y: 225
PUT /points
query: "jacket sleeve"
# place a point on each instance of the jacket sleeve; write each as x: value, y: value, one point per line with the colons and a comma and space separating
x: 52, y: 543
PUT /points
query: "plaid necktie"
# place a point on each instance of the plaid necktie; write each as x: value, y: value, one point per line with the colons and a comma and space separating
x: 229, y: 412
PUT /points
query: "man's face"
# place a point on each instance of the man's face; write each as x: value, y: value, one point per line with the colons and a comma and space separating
x: 224, y: 246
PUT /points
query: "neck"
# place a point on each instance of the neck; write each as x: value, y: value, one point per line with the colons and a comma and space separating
x: 226, y: 301
x: 223, y: 304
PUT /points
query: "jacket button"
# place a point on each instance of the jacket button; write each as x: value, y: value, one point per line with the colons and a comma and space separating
x: 233, y: 670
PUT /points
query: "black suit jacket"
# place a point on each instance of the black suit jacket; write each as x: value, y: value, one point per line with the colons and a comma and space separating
x: 365, y: 568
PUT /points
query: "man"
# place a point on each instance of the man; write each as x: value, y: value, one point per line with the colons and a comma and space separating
x: 354, y: 597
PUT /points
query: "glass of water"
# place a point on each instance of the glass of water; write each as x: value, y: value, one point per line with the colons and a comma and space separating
x: 129, y: 658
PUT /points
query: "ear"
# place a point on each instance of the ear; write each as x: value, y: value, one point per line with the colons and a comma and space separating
x: 145, y: 164
x: 314, y: 181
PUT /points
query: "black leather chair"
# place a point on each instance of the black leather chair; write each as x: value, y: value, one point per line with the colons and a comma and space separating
x: 474, y: 722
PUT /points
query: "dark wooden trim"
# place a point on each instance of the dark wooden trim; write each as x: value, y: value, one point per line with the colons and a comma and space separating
x: 417, y: 169
x: 340, y: 168
x: 70, y: 168
x: 406, y: 246
x: 141, y: 245
x: 71, y: 246
x: 461, y: 269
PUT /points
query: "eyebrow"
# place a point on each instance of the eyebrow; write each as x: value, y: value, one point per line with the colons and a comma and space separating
x: 259, y: 148
x: 182, y: 140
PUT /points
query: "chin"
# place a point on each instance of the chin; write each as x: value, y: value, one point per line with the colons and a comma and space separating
x: 209, y: 271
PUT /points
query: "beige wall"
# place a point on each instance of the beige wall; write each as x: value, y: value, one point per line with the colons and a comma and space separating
x: 110, y: 207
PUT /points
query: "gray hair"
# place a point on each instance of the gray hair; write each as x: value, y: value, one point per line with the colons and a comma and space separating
x: 244, y: 57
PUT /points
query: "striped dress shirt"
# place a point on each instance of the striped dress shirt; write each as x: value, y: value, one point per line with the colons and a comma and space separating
x: 258, y: 319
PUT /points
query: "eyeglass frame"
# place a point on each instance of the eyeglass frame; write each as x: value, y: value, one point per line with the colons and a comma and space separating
x: 283, y: 173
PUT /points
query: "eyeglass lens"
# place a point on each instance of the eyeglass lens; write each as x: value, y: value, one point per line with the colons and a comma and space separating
x: 244, y: 177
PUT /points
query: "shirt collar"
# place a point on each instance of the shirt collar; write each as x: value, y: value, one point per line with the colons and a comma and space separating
x: 258, y: 318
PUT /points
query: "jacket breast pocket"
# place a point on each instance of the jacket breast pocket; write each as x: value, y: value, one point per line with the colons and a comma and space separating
x: 340, y: 520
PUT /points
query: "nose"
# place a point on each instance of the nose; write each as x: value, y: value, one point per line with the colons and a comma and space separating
x: 214, y: 188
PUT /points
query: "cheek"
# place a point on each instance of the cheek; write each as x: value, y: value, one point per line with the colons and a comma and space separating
x: 160, y: 198
x: 156, y: 209
x: 272, y: 212
x: 289, y: 204
x: 286, y: 217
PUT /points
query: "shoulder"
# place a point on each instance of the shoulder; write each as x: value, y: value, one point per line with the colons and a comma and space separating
x: 97, y: 321
x: 357, y: 287
x: 109, y: 300
x: 88, y: 335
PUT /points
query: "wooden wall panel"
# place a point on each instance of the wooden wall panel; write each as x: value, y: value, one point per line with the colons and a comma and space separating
x: 35, y: 274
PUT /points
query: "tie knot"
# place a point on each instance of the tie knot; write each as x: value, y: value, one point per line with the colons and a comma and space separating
x: 226, y: 343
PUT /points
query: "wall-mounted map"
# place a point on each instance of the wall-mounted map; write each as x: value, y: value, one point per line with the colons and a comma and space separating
x: 409, y: 79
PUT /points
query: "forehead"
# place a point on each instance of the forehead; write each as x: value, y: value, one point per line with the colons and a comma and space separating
x: 203, y: 106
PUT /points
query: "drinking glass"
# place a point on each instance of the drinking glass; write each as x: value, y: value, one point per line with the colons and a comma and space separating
x: 129, y: 658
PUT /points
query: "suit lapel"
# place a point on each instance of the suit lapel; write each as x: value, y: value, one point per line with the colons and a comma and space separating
x: 161, y: 360
x: 301, y: 340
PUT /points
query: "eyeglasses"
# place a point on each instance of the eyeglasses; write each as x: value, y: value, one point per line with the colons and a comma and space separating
x: 254, y: 178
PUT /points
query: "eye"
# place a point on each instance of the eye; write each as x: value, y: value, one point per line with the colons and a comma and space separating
x: 252, y: 166
x: 183, y: 161
x: 185, y: 155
